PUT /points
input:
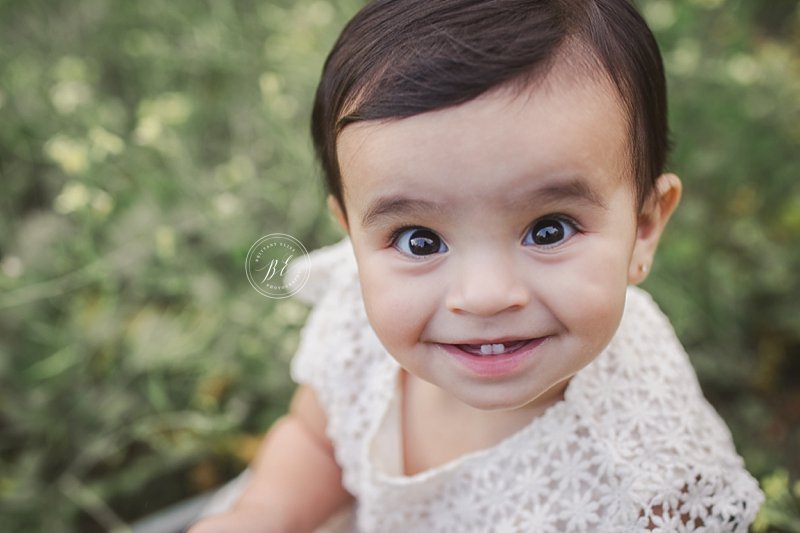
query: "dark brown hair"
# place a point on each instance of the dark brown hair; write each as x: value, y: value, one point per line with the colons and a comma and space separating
x: 398, y: 58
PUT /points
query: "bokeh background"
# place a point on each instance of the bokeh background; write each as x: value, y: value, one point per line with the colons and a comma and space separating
x: 145, y: 145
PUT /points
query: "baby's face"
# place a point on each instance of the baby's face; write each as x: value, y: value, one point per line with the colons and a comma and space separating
x: 494, y: 240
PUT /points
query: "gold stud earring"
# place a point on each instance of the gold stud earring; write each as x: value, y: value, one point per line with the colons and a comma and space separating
x: 644, y: 268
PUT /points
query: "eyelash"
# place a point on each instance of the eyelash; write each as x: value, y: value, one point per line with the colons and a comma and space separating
x: 395, y: 233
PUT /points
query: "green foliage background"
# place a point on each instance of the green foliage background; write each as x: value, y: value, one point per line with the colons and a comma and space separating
x: 144, y: 146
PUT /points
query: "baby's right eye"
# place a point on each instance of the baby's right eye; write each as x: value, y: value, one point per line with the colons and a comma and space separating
x: 418, y: 242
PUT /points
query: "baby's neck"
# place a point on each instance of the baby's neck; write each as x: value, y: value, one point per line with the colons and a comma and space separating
x: 439, y: 428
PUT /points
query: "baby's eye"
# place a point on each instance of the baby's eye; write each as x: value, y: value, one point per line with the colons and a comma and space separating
x: 419, y: 241
x: 549, y: 231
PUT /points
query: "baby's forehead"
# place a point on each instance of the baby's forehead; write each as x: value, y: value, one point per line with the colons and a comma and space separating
x: 556, y: 141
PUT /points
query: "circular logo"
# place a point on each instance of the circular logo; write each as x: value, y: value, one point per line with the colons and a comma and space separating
x: 277, y: 265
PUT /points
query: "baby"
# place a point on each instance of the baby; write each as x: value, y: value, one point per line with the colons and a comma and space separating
x: 478, y: 358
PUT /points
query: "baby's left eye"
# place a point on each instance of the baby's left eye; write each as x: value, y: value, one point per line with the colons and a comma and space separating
x: 549, y: 231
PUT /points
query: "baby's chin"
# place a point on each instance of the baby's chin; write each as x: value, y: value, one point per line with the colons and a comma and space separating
x: 532, y: 403
x: 497, y: 398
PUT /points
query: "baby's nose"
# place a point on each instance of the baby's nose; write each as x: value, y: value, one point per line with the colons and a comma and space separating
x: 487, y: 284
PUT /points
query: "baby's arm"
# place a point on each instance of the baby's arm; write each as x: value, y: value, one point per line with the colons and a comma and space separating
x: 295, y: 484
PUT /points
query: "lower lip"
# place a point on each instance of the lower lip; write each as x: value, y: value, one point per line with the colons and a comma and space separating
x: 494, y: 366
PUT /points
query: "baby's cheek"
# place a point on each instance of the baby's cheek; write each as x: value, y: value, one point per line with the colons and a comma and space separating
x: 395, y: 310
x: 590, y: 300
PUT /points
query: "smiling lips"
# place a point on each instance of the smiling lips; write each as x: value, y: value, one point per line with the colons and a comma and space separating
x: 491, y: 359
x: 493, y: 348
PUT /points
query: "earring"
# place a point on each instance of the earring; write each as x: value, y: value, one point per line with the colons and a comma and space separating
x: 644, y: 268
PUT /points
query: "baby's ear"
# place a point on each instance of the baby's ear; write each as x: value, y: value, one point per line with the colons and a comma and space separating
x: 337, y: 211
x: 652, y: 221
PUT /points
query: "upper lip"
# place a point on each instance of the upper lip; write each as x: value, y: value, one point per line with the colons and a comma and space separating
x: 498, y: 340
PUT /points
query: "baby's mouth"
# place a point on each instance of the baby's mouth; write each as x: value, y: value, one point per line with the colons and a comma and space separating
x: 493, y: 349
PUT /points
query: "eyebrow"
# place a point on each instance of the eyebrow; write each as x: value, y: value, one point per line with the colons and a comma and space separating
x: 573, y: 189
x: 398, y: 206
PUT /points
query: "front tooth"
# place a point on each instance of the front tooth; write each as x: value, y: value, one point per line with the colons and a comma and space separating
x: 498, y: 348
x: 486, y: 349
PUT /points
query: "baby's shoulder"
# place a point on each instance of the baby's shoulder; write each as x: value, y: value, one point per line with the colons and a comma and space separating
x: 641, y: 395
x: 644, y: 409
x: 331, y: 272
x: 340, y: 357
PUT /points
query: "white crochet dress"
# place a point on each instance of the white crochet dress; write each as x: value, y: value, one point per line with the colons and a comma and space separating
x: 634, y: 446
